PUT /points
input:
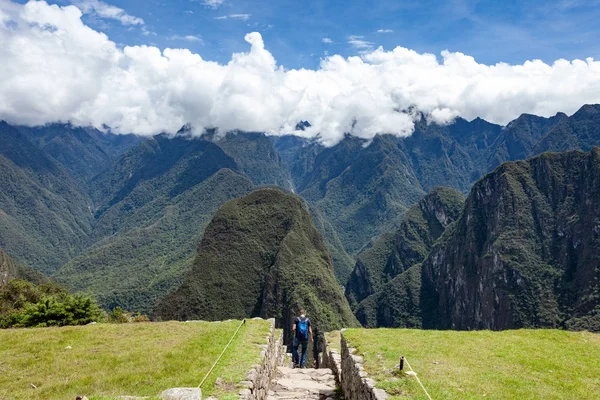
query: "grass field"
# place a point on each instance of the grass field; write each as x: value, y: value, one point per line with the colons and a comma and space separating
x: 108, y: 360
x: 519, y: 364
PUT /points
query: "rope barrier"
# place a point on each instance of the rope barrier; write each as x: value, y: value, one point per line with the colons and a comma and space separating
x: 223, y: 352
x: 418, y: 380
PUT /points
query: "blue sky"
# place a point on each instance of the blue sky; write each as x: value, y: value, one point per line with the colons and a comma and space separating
x: 491, y: 31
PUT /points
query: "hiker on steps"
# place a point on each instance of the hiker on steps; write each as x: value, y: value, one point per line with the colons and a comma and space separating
x: 302, y: 333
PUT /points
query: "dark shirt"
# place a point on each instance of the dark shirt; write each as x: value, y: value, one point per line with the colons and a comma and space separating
x: 296, y: 326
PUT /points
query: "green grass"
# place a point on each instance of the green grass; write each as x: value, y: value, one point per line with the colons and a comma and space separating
x: 519, y: 364
x: 108, y: 360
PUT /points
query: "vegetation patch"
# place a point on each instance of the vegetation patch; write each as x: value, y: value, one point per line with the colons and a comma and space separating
x: 516, y: 364
x: 103, y: 361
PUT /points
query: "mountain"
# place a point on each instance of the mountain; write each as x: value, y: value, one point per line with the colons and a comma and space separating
x: 261, y: 255
x: 519, y: 137
x: 157, y: 199
x: 452, y: 155
x: 363, y: 190
x: 578, y: 132
x: 395, y: 252
x: 525, y: 251
x: 10, y: 270
x: 84, y: 151
x: 128, y: 234
x: 45, y: 216
x: 155, y: 202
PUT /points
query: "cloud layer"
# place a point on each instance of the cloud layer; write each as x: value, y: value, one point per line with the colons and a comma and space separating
x: 54, y: 68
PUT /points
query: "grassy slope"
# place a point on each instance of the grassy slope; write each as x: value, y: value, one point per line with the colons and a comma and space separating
x: 130, y: 359
x: 521, y: 364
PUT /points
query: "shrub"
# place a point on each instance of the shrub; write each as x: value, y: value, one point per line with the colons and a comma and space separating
x: 23, y: 304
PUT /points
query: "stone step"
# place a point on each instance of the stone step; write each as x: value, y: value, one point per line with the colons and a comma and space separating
x: 303, y: 383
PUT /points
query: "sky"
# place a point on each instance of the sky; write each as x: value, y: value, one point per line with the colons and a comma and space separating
x: 296, y: 31
x: 146, y: 66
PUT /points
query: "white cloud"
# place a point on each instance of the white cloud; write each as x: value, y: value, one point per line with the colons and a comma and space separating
x: 147, y: 32
x: 359, y: 43
x: 54, y: 67
x: 213, y: 3
x: 326, y: 40
x: 242, y: 17
x: 103, y: 10
x: 385, y: 31
x: 188, y: 38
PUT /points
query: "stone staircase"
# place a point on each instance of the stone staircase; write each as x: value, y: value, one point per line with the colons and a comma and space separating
x: 306, y: 383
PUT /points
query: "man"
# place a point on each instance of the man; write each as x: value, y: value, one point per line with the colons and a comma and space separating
x: 302, y: 333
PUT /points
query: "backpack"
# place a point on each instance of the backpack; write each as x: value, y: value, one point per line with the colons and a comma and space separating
x: 303, y: 329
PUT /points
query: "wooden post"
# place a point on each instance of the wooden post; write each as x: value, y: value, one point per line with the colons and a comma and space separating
x: 401, y: 363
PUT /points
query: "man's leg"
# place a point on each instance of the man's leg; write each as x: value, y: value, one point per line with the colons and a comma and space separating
x: 295, y: 352
x: 304, y: 348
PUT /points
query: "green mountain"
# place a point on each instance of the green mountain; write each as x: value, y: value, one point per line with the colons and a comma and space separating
x: 156, y: 201
x: 84, y: 151
x: 525, y: 251
x: 261, y: 255
x: 362, y: 190
x: 158, y: 198
x: 45, y: 216
x: 393, y: 253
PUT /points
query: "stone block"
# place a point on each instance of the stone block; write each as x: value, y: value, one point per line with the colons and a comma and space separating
x: 181, y: 394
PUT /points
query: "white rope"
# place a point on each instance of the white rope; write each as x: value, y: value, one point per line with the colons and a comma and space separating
x: 418, y: 380
x: 223, y: 352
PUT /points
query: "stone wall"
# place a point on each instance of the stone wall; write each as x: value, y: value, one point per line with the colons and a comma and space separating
x: 354, y: 381
x: 332, y: 360
x: 256, y: 387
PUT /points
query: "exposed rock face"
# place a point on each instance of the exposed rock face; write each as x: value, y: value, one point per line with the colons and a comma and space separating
x: 393, y: 253
x: 524, y: 253
x: 261, y: 256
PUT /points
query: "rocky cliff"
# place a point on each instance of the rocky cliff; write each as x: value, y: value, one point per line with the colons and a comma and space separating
x: 525, y: 251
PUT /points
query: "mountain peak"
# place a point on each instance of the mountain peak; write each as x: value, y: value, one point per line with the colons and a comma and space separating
x: 268, y: 238
x: 587, y: 111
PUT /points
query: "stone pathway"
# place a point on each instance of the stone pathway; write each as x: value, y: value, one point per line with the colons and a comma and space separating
x: 307, y: 383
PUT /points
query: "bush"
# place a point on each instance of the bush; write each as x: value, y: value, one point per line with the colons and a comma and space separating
x: 23, y: 304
